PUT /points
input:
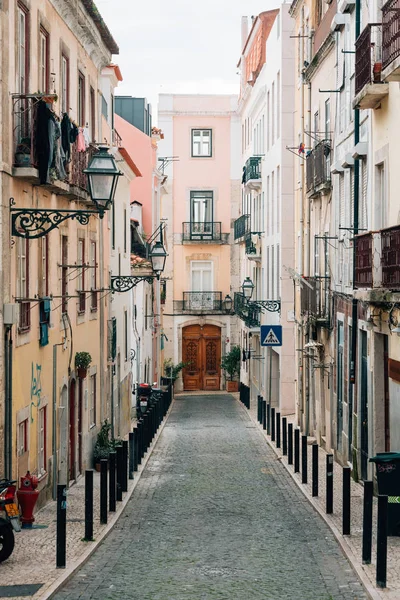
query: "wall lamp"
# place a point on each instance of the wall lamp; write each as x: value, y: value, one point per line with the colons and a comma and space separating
x: 269, y: 305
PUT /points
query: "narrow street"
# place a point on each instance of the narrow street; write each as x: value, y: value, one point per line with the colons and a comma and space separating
x: 215, y: 515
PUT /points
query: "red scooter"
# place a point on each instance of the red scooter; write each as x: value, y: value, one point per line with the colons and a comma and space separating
x: 9, y: 521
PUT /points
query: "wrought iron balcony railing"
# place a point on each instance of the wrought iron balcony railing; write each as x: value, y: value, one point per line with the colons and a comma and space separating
x: 390, y: 32
x: 252, y: 169
x: 368, y: 56
x: 363, y: 272
x: 202, y: 301
x: 249, y: 313
x: 390, y: 258
x: 318, y: 167
x: 241, y: 226
x: 201, y: 231
x: 315, y: 300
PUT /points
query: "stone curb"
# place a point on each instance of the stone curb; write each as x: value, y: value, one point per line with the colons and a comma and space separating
x: 75, y: 565
x: 357, y: 566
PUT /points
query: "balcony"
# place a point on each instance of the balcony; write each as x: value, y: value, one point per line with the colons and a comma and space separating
x: 318, y: 164
x: 249, y: 313
x: 199, y: 303
x: 241, y: 227
x: 252, y: 173
x: 315, y: 300
x: 252, y: 245
x: 390, y: 258
x: 369, y: 89
x: 391, y: 41
x: 209, y: 231
x: 363, y: 276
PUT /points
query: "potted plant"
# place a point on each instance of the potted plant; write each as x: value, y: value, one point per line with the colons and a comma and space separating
x: 172, y: 371
x: 231, y: 365
x: 23, y: 153
x: 103, y: 445
x: 82, y: 361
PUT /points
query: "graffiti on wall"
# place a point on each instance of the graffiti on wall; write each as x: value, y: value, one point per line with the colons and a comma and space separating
x: 36, y: 387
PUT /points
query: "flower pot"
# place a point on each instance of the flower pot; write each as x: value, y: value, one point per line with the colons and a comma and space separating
x: 82, y: 372
x: 232, y: 386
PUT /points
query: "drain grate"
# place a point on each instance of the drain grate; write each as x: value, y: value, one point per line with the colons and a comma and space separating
x: 26, y: 589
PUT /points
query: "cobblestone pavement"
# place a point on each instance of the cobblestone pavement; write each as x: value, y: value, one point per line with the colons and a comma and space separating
x: 215, y: 515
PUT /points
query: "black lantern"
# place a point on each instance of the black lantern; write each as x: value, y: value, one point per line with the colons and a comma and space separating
x: 247, y: 288
x: 102, y: 174
x: 228, y: 303
x: 158, y: 257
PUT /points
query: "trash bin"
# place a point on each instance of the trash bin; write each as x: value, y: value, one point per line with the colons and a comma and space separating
x: 388, y: 479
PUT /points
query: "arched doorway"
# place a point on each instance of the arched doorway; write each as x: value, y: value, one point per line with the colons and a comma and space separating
x: 201, y: 351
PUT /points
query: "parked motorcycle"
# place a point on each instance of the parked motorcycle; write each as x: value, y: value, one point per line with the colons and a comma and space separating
x: 9, y: 518
x: 143, y: 394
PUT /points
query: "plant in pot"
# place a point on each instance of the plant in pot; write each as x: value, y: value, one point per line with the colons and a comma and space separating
x: 23, y: 153
x: 103, y: 445
x: 231, y: 365
x: 82, y: 361
x: 172, y: 371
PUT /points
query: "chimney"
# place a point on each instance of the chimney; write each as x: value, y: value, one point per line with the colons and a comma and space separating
x: 245, y: 30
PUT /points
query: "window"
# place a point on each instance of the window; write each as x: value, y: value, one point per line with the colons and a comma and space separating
x: 92, y: 115
x: 44, y: 321
x: 202, y: 277
x: 81, y: 276
x: 23, y: 283
x: 22, y: 50
x: 81, y: 99
x: 278, y: 104
x: 273, y: 203
x: 268, y: 209
x: 316, y: 127
x: 278, y: 267
x: 381, y: 204
x: 126, y: 335
x: 278, y: 199
x: 42, y: 439
x: 92, y: 409
x: 93, y: 276
x: 201, y: 209
x: 64, y: 84
x: 273, y: 272
x: 268, y: 118
x: 23, y: 437
x: 125, y: 231
x: 328, y: 119
x: 104, y: 108
x: 64, y: 273
x: 201, y: 142
x: 268, y: 271
x: 44, y: 73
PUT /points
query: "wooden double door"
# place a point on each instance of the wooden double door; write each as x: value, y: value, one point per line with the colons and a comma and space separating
x: 201, y: 351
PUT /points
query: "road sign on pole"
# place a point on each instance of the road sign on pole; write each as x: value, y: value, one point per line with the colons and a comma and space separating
x: 271, y: 335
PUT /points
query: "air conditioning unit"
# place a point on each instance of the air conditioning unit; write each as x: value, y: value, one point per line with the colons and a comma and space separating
x: 10, y: 314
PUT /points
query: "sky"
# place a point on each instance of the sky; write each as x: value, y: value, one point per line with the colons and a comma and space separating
x: 178, y: 46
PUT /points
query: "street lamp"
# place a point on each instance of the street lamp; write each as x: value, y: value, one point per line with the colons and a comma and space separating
x: 102, y: 174
x: 228, y: 303
x: 247, y: 288
x: 158, y: 256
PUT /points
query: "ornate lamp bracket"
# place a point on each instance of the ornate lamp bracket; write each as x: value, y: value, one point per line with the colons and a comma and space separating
x: 269, y: 305
x: 34, y: 223
x: 124, y: 283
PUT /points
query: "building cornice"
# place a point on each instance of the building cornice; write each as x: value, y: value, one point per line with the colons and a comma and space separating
x: 319, y: 57
x: 294, y: 8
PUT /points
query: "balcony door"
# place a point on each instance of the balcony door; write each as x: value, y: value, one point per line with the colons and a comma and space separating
x: 201, y: 296
x: 201, y: 215
x: 201, y: 352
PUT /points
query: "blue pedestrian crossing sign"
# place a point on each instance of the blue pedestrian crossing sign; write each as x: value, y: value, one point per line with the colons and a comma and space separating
x: 271, y: 335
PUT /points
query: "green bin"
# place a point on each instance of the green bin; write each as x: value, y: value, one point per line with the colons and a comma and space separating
x: 388, y: 479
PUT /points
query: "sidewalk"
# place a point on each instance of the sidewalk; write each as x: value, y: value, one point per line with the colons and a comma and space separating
x: 352, y: 544
x: 34, y: 558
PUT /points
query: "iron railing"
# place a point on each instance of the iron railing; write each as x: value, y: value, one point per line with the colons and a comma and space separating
x: 252, y: 169
x: 202, y: 231
x: 250, y: 248
x: 241, y: 226
x: 390, y: 32
x: 249, y: 313
x: 318, y: 166
x: 368, y: 56
x: 202, y: 301
x: 363, y: 275
x: 79, y: 162
x: 390, y: 258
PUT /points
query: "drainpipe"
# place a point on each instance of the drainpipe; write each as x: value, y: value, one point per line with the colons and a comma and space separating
x: 8, y: 348
x: 103, y: 399
x: 301, y: 207
x: 356, y: 222
x: 54, y: 424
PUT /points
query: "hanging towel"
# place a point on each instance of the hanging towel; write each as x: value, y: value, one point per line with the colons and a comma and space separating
x: 86, y: 136
x: 81, y: 146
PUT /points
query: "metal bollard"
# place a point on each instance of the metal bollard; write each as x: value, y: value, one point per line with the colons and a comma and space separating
x: 140, y: 441
x: 297, y: 450
x: 89, y: 506
x: 329, y: 484
x: 131, y: 454
x: 304, y: 458
x: 272, y: 424
x: 278, y: 429
x: 315, y: 469
x: 125, y: 452
x: 290, y: 444
x: 268, y: 419
x: 120, y: 468
x: 61, y: 541
x: 264, y: 414
x: 367, y: 523
x: 259, y: 409
x: 381, y: 543
x: 112, y: 482
x: 135, y: 449
x: 103, y: 490
x: 346, y: 501
x: 284, y: 436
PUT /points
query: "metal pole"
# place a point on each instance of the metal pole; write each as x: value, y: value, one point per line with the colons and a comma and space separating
x: 272, y: 424
x: 112, y: 482
x: 264, y: 414
x: 103, y: 490
x: 278, y: 429
x: 284, y: 436
x: 297, y: 450
x: 120, y: 467
x: 125, y: 466
x: 270, y: 376
x: 346, y: 501
x: 131, y: 454
x: 54, y: 423
x: 315, y: 469
x: 381, y: 546
x: 61, y: 541
x: 89, y: 506
x: 329, y: 484
x: 304, y: 459
x: 367, y: 523
x: 290, y: 444
x: 268, y: 419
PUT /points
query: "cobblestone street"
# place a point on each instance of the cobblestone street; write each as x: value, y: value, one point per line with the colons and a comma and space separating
x: 215, y: 515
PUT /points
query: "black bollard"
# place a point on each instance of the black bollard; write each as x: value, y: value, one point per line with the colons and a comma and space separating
x: 381, y: 542
x: 278, y: 429
x: 329, y: 484
x: 290, y: 444
x: 268, y: 419
x: 125, y: 452
x: 272, y: 424
x: 139, y: 432
x: 120, y: 469
x: 264, y: 414
x: 103, y: 491
x: 304, y: 459
x: 259, y: 409
x: 346, y: 501
x: 367, y: 523
x: 112, y: 482
x: 61, y: 541
x: 284, y: 436
x: 315, y: 469
x: 89, y: 506
x: 297, y: 450
x: 135, y: 449
x: 131, y: 454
